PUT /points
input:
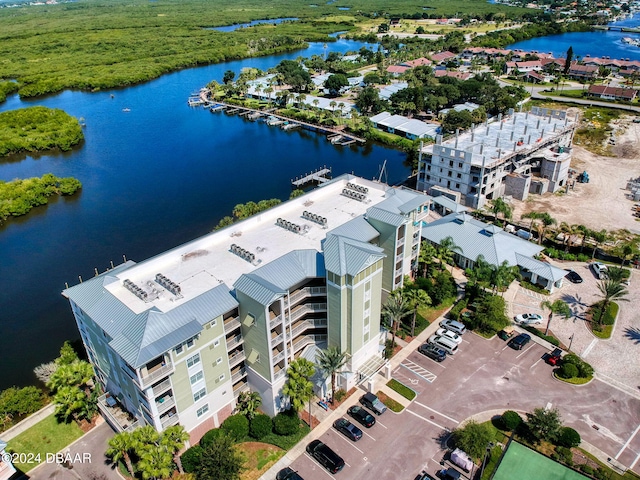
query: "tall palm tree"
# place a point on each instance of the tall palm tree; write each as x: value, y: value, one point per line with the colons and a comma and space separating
x: 547, y: 221
x: 533, y: 216
x: 558, y: 307
x: 502, y: 275
x: 331, y: 361
x: 155, y: 462
x: 248, y: 403
x: 416, y: 298
x: 599, y: 237
x: 445, y: 250
x: 498, y: 205
x: 120, y: 447
x: 174, y: 438
x: 394, y: 310
x: 298, y: 387
x: 427, y: 253
x: 610, y: 290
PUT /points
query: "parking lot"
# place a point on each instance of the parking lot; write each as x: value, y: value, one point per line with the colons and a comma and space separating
x: 484, y: 376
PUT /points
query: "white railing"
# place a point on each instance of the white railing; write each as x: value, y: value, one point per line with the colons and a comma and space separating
x: 307, y: 324
x: 231, y: 324
x: 305, y: 340
x: 161, y: 387
x: 279, y: 374
x: 278, y: 356
x: 399, y: 258
x: 306, y: 292
x: 239, y: 375
x: 400, y: 242
x: 165, y: 405
x: 234, y: 342
x: 276, y: 340
x: 302, y: 310
x: 277, y: 320
x: 157, y: 374
x: 236, y: 359
x: 168, y: 421
x: 243, y: 388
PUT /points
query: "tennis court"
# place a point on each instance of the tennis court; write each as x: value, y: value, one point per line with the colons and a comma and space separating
x: 525, y: 464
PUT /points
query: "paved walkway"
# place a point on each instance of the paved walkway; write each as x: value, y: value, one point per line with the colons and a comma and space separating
x: 28, y: 422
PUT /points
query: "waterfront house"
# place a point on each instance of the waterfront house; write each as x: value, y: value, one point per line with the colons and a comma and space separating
x: 176, y: 338
x: 403, y: 126
x: 612, y: 93
x: 582, y: 72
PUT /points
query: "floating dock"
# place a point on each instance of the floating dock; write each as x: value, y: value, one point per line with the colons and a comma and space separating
x: 321, y: 175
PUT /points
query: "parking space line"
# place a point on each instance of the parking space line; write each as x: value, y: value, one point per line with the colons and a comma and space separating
x: 506, y: 346
x: 321, y: 467
x: 628, y: 442
x: 435, y: 411
x: 428, y: 421
x: 632, y: 466
x: 381, y: 424
x: 350, y: 443
x: 524, y: 351
x: 369, y: 436
x: 537, y: 361
x: 419, y: 370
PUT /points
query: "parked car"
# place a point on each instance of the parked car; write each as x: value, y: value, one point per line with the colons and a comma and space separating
x: 362, y: 416
x: 372, y: 402
x: 325, y: 456
x: 454, y: 326
x: 528, y: 319
x: 444, y: 343
x: 424, y: 476
x: 433, y: 352
x: 554, y: 357
x: 449, y: 474
x: 348, y: 429
x: 519, y: 342
x: 506, y: 333
x: 450, y: 334
x: 288, y: 474
x: 599, y: 269
x: 573, y: 276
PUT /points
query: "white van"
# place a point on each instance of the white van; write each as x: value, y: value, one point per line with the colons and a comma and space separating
x: 444, y: 343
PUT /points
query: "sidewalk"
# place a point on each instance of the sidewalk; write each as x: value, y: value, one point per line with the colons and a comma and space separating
x: 28, y: 422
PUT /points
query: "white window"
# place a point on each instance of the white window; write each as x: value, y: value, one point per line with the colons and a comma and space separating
x: 221, y: 377
x: 199, y: 394
x: 202, y: 410
x: 216, y: 343
x: 178, y: 349
x: 214, y: 323
x: 194, y: 360
x: 219, y: 360
x: 190, y: 342
x: 196, y: 377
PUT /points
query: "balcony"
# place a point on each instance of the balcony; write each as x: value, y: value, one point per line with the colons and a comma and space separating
x: 231, y: 324
x: 400, y: 242
x: 302, y: 310
x: 161, y: 387
x: 304, y: 325
x: 155, y: 373
x: 237, y: 358
x: 276, y: 339
x: 305, y: 292
x: 240, y: 387
x: 238, y: 375
x: 233, y: 342
x: 305, y: 340
x: 274, y: 320
x: 119, y: 419
x: 165, y: 403
x: 399, y: 258
x: 169, y: 420
x: 277, y: 356
x: 279, y: 374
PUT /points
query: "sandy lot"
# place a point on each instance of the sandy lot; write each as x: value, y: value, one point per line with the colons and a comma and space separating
x: 601, y: 203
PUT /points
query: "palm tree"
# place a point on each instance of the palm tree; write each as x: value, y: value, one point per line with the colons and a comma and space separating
x: 394, y: 310
x: 445, y: 250
x: 599, y: 237
x: 298, y: 387
x: 557, y: 306
x: 610, y: 290
x: 585, y: 234
x: 120, y: 448
x: 547, y: 221
x: 498, y: 205
x: 533, y: 216
x: 416, y: 298
x: 427, y: 253
x: 174, y: 438
x: 331, y: 361
x: 568, y: 231
x: 502, y: 275
x: 248, y: 403
x: 155, y: 462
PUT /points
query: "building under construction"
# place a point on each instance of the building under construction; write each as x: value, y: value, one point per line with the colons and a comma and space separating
x: 518, y: 154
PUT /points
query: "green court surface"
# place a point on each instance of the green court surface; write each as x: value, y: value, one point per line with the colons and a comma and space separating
x: 522, y: 463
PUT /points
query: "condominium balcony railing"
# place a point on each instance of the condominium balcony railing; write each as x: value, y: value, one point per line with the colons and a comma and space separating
x: 400, y: 242
x: 305, y: 292
x: 278, y: 356
x: 275, y: 320
x: 234, y: 342
x: 399, y: 258
x: 307, y: 324
x: 240, y: 387
x: 276, y: 340
x: 239, y: 375
x: 236, y: 359
x: 161, y: 387
x: 115, y: 415
x: 305, y: 340
x: 156, y: 374
x: 302, y: 310
x: 165, y: 404
x: 231, y: 323
x: 169, y: 420
x: 279, y: 374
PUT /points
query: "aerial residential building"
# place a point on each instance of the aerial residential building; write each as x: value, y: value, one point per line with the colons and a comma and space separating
x: 521, y: 152
x: 176, y: 338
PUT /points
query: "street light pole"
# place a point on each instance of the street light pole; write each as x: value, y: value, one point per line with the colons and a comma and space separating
x: 571, y: 341
x: 484, y: 459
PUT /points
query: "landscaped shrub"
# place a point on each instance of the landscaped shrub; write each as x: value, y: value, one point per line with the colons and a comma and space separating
x: 191, y: 458
x: 237, y: 426
x: 260, y: 426
x: 585, y: 370
x: 208, y: 438
x: 340, y: 394
x: 551, y: 339
x: 565, y: 455
x: 16, y: 401
x: 286, y: 423
x: 583, y: 258
x: 586, y: 469
x: 454, y: 313
x: 511, y: 420
x: 568, y: 370
x: 568, y: 437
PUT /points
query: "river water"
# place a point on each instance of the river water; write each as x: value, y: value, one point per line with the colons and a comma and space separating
x: 598, y: 43
x: 153, y: 178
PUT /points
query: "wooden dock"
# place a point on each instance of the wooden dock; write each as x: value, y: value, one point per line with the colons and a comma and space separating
x: 255, y: 113
x: 321, y: 175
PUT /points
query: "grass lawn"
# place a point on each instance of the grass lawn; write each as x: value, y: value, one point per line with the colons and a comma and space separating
x: 390, y: 402
x: 259, y: 458
x: 402, y: 389
x: 46, y: 436
x: 525, y: 464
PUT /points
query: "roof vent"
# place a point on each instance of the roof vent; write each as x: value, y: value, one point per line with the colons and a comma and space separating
x: 136, y: 290
x: 242, y: 253
x: 173, y: 287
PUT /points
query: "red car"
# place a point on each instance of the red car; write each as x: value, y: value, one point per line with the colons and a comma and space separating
x: 554, y: 357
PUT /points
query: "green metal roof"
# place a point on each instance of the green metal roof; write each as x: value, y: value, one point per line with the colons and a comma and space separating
x: 345, y: 256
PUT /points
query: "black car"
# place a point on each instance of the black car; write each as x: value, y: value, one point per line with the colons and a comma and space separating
x: 362, y: 416
x: 573, y: 276
x: 288, y: 474
x: 520, y: 341
x: 433, y: 352
x: 424, y: 476
x: 348, y: 429
x: 325, y: 456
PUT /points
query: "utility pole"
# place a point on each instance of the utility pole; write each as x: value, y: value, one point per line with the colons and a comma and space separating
x: 571, y: 341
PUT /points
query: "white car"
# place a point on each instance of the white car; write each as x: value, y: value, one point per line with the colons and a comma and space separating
x: 443, y: 332
x: 600, y: 269
x: 528, y: 319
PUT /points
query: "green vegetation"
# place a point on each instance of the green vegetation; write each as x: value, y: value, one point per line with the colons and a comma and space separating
x: 16, y: 403
x: 46, y: 436
x: 574, y: 370
x: 245, y: 210
x: 502, y: 38
x: 473, y: 438
x: 7, y: 88
x: 298, y: 386
x: 549, y: 338
x: 98, y: 44
x: 37, y: 128
x: 402, y: 389
x: 390, y: 402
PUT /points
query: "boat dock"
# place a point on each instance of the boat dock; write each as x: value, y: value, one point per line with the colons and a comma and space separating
x: 321, y: 175
x: 334, y: 135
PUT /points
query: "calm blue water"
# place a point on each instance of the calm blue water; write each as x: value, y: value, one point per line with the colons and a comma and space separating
x: 596, y: 44
x: 155, y: 177
x: 231, y: 28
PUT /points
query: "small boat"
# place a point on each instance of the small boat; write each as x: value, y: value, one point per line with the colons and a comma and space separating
x: 126, y: 109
